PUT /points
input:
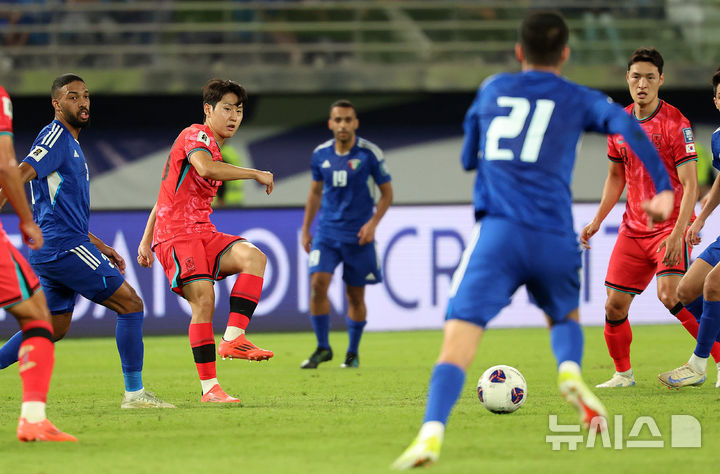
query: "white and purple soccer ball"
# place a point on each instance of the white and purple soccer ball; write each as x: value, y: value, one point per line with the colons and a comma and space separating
x: 502, y: 389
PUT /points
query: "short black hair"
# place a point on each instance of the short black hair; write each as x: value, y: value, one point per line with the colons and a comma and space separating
x: 62, y: 81
x: 543, y: 36
x: 215, y: 89
x: 647, y: 55
x: 343, y: 103
x: 716, y: 81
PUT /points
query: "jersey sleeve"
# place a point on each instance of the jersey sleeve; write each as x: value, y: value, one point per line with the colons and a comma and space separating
x: 682, y: 141
x: 315, y: 168
x: 378, y: 168
x: 46, y: 154
x: 612, y: 151
x: 197, y: 140
x: 6, y: 112
x: 471, y: 141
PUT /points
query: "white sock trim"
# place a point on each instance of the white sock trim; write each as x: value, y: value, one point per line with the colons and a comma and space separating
x: 232, y: 332
x: 698, y: 363
x: 432, y: 428
x: 569, y: 366
x: 33, y: 412
x: 208, y: 384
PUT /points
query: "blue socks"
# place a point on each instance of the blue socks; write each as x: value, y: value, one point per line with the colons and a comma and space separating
x: 566, y: 339
x: 355, y: 331
x: 696, y: 308
x: 9, y: 351
x: 128, y: 334
x: 709, y: 328
x: 321, y: 325
x: 446, y: 383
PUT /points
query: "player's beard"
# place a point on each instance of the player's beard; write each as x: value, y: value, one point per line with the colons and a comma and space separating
x: 75, y: 121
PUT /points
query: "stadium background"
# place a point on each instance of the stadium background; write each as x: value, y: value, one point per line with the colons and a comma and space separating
x: 411, y: 68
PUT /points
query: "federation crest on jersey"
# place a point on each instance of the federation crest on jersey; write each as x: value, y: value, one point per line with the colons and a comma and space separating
x: 203, y: 138
x: 657, y: 139
x: 688, y: 134
x: 37, y: 153
x: 354, y: 164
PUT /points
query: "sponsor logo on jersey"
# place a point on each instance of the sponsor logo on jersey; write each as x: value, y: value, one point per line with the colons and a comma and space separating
x: 354, y: 164
x: 204, y: 138
x: 37, y: 153
x: 688, y: 134
x: 326, y: 164
x: 690, y: 148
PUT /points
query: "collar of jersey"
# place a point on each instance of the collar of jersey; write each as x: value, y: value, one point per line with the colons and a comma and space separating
x: 657, y: 109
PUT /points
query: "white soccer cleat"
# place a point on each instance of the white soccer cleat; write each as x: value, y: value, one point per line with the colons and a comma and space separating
x: 422, y: 452
x: 591, y: 410
x: 683, y: 376
x: 618, y: 380
x: 144, y: 399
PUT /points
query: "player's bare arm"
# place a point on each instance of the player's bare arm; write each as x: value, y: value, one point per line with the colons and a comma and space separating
x: 109, y: 252
x: 27, y: 173
x: 219, y: 171
x: 687, y: 174
x: 712, y: 199
x: 145, y: 254
x: 367, y: 231
x: 612, y: 190
x: 13, y: 191
x: 311, y: 208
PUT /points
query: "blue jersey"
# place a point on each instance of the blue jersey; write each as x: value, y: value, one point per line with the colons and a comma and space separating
x: 347, y: 200
x: 522, y: 133
x: 60, y: 192
x: 715, y: 148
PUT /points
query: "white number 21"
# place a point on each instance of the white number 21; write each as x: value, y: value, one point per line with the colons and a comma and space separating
x: 512, y: 125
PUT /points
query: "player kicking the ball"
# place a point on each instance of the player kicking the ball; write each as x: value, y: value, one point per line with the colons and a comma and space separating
x: 192, y: 252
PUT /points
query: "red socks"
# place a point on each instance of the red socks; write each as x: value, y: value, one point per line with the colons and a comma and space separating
x: 36, y: 358
x: 244, y: 298
x: 202, y: 342
x: 618, y: 337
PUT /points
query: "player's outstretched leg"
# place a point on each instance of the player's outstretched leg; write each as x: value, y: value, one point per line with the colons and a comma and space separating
x: 618, y: 336
x: 696, y: 309
x: 37, y: 357
x: 244, y: 298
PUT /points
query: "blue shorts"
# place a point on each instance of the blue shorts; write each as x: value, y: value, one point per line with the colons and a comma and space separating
x: 505, y: 255
x: 361, y: 265
x: 83, y: 270
x: 712, y: 253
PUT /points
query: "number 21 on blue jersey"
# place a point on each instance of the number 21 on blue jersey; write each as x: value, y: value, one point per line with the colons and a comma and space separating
x: 511, y: 126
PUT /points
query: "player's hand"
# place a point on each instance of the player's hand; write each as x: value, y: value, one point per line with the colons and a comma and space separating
x: 145, y: 255
x: 366, y: 234
x: 114, y: 257
x: 306, y: 241
x: 266, y: 178
x: 31, y: 234
x: 659, y: 207
x: 587, y: 232
x: 693, y: 232
x: 673, y: 250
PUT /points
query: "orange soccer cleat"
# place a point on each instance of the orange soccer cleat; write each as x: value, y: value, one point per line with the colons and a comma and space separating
x: 241, y: 348
x: 41, y: 431
x: 217, y: 395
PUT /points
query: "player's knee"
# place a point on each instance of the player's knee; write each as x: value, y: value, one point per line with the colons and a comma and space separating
x: 686, y: 293
x: 318, y: 291
x: 711, y: 287
x: 134, y: 303
x: 614, y: 310
x: 668, y: 298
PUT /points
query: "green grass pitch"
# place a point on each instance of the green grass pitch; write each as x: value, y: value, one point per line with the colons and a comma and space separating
x: 333, y: 420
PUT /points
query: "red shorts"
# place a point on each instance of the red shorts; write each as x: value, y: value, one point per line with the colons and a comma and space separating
x: 635, y: 260
x: 17, y: 280
x: 193, y: 257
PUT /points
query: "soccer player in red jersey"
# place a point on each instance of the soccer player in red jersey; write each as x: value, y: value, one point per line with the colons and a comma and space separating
x: 192, y: 252
x: 21, y: 296
x: 642, y: 251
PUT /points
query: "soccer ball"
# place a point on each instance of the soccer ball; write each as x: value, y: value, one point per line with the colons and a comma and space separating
x: 502, y: 389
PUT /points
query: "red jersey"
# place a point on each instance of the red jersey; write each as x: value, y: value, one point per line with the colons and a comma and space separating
x: 183, y: 206
x: 670, y: 132
x: 6, y: 116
